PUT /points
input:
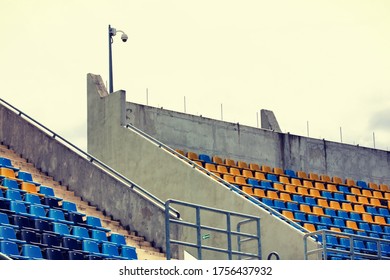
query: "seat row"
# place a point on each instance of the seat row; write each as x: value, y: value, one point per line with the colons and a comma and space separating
x: 204, y: 159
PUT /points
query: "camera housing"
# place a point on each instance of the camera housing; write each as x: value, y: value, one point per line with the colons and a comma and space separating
x: 124, y: 37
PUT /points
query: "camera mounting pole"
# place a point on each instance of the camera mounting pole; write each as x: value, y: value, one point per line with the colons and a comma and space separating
x: 112, y: 32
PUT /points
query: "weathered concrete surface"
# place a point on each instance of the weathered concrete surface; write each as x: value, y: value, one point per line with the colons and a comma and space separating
x: 262, y: 146
x: 168, y: 177
x: 269, y: 121
x: 87, y: 180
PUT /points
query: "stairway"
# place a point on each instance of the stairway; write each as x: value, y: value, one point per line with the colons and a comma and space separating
x: 145, y: 250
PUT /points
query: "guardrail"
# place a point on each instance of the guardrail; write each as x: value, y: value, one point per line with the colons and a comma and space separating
x: 220, y: 180
x: 90, y: 158
x: 350, y: 251
x: 229, y: 232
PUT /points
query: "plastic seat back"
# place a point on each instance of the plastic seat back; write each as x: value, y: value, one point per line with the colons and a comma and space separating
x: 13, y: 194
x: 61, y: 229
x: 32, y: 252
x: 118, y: 239
x: 99, y: 235
x: 11, y: 184
x: 69, y: 206
x: 129, y: 253
x: 80, y: 232
x: 110, y: 249
x: 54, y: 254
x: 51, y: 240
x: 47, y: 191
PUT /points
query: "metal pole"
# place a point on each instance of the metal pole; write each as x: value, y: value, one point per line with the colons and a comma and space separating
x: 185, y: 107
x: 341, y: 135
x: 147, y: 97
x: 373, y: 137
x: 111, y: 89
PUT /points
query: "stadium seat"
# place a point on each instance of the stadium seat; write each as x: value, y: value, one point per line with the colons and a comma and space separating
x: 6, y: 162
x: 362, y: 184
x: 205, y: 158
x: 259, y: 193
x: 384, y: 212
x: 290, y: 173
x: 384, y: 188
x: 32, y: 252
x: 8, y: 233
x: 48, y: 192
x: 71, y: 243
x: 260, y: 176
x: 39, y: 212
x: 337, y: 180
x: 30, y: 236
x: 254, y: 167
x: 230, y: 162
x: 378, y: 194
x: 21, y: 221
x: 13, y: 194
x: 302, y: 174
x: 243, y: 165
x: 54, y: 254
x: 356, y: 217
x: 92, y: 249
x: 11, y: 249
x: 217, y: 160
x: 192, y: 156
x: 325, y: 178
x: 267, y: 201
x: 81, y: 233
x: 332, y: 188
x: 59, y: 216
x: 278, y: 171
x: 310, y: 227
x: 61, y: 229
x: 350, y: 182
x: 118, y: 239
x: 19, y: 208
x: 76, y: 255
x: 10, y: 184
x: 247, y: 174
x: 279, y: 187
x: 323, y: 203
x: 4, y: 221
x: 7, y: 173
x: 308, y: 184
x: 43, y: 225
x: 285, y: 197
x: 288, y: 214
x: 266, y: 169
x: 351, y: 198
x: 30, y: 188
x: 248, y: 190
x: 221, y: 169
x: 373, y: 186
x: 359, y: 208
x: 266, y: 185
x: 129, y: 253
x: 319, y: 186
x: 34, y: 199
x: 111, y: 250
x: 51, y: 240
x: 335, y: 205
x: 344, y: 189
x: 284, y: 180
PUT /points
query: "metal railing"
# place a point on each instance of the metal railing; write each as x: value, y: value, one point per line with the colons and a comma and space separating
x: 90, y: 158
x: 350, y: 250
x: 228, y: 231
x: 220, y: 180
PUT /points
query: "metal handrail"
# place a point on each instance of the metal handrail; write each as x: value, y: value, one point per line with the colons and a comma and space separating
x: 199, y: 227
x: 90, y: 158
x: 351, y: 252
x: 220, y: 180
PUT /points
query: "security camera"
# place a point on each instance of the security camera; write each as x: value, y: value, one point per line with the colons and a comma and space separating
x: 124, y: 37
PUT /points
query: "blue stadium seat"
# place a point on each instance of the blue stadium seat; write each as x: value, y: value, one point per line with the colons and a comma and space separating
x: 59, y: 216
x: 92, y: 249
x: 386, y: 229
x: 384, y: 212
x: 342, y: 214
x: 61, y: 229
x: 290, y: 173
x: 27, y: 177
x: 310, y: 201
x: 19, y: 208
x: 30, y: 236
x: 54, y: 254
x: 205, y: 158
x: 111, y: 250
x: 340, y: 197
x: 10, y: 184
x: 118, y: 239
x: 22, y: 221
x: 330, y: 212
x: 377, y: 228
x: 43, y: 226
x: 99, y: 235
x: 95, y: 222
x: 356, y: 217
x: 279, y: 205
x: 81, y: 233
x: 129, y: 253
x: 71, y: 243
x: 300, y: 216
x: 11, y: 249
x: 48, y: 191
x: 292, y: 206
x: 385, y: 249
x: 327, y: 195
x: 76, y: 255
x: 326, y: 221
x: 298, y: 198
x: 13, y: 194
x: 272, y: 177
x: 372, y: 210
x: 266, y: 185
x: 362, y: 184
x: 344, y: 189
x: 267, y: 201
x: 331, y: 241
x: 365, y: 226
x: 8, y: 233
x: 32, y: 252
x: 6, y: 162
x: 34, y: 199
x: 39, y: 212
x: 51, y: 240
x: 253, y: 182
x: 4, y: 221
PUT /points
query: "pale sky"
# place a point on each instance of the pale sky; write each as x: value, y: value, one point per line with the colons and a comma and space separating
x: 317, y: 64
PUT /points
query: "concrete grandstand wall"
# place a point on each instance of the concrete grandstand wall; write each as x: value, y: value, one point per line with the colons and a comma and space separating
x: 265, y: 147
x: 168, y: 177
x: 133, y: 209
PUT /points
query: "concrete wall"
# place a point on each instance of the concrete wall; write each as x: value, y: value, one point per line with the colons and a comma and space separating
x: 87, y: 180
x: 265, y: 147
x: 168, y: 177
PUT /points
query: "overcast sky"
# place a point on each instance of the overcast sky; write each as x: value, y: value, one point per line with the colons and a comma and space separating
x: 322, y: 65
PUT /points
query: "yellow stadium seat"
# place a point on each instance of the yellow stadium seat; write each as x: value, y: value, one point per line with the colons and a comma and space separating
x: 296, y: 182
x: 376, y: 202
x: 323, y: 203
x: 359, y: 208
x: 288, y: 214
x: 319, y: 186
x: 352, y: 198
x: 332, y: 188
x: 309, y: 227
x: 254, y: 167
x: 240, y: 181
x: 337, y: 180
x: 367, y: 218
x: 302, y: 191
x: 350, y: 182
x: 326, y: 178
x: 367, y: 193
x: 7, y: 173
x: 384, y: 188
x: 30, y: 188
x: 373, y: 186
x: 222, y: 169
x: 291, y: 188
x: 278, y: 170
x: 378, y: 194
x: 247, y: 173
x: 305, y: 208
x: 272, y: 195
x: 279, y: 187
x: 285, y: 197
x: 308, y: 184
x: 242, y: 165
x: 260, y: 176
x: 347, y: 207
x: 314, y: 176
x: 192, y: 156
x: 229, y: 178
x: 284, y: 180
x: 266, y: 169
x: 363, y: 200
x: 249, y: 190
x: 334, y: 205
x: 259, y: 193
x: 180, y: 152
x: 210, y: 167
x: 380, y: 220
x: 217, y: 160
x: 336, y: 229
x: 302, y: 174
x: 315, y: 193
x: 319, y: 211
x: 234, y: 171
x: 356, y: 191
x: 352, y: 225
x: 230, y: 162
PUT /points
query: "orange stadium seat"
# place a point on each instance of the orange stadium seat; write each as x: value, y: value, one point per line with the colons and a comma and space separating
x: 326, y: 178
x: 302, y: 174
x: 192, y: 156
x: 247, y: 173
x: 242, y: 165
x: 308, y: 184
x: 284, y: 180
x: 217, y: 160
x: 337, y: 180
x: 319, y: 186
x: 266, y: 169
x: 260, y: 176
x: 234, y: 171
x: 7, y: 173
x: 254, y: 167
x: 230, y: 162
x: 278, y: 170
